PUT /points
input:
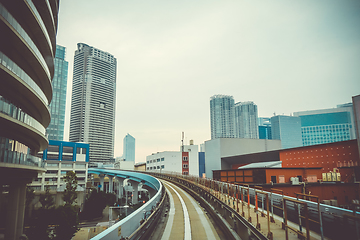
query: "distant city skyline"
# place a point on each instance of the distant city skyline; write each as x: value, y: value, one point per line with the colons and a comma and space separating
x: 286, y: 56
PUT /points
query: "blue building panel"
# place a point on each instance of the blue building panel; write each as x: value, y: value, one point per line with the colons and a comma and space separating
x: 65, y: 151
x: 325, y: 119
x: 265, y: 132
x: 201, y: 163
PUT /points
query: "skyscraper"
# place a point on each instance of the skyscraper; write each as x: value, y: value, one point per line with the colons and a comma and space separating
x: 55, y: 130
x: 246, y: 117
x: 287, y: 129
x: 327, y: 125
x: 92, y: 118
x: 222, y: 116
x: 27, y: 49
x: 129, y: 148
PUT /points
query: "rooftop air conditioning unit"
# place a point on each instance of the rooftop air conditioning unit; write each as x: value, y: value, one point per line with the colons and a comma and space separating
x: 294, y: 180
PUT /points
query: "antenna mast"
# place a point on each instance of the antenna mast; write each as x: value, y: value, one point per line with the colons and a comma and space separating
x: 182, y: 142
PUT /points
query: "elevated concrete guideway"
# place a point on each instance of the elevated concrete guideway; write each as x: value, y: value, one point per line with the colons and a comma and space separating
x: 128, y: 225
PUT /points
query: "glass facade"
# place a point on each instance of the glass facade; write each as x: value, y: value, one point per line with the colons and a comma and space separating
x: 55, y: 130
x: 222, y: 116
x: 288, y: 130
x: 327, y: 125
x: 129, y: 148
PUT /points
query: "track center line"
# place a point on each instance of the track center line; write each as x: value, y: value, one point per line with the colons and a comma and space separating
x: 187, y: 234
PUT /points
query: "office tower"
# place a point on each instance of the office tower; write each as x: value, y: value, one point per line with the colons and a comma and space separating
x: 264, y: 128
x: 129, y: 148
x: 327, y: 125
x: 222, y: 116
x: 27, y: 49
x: 92, y: 118
x: 246, y: 117
x: 287, y: 129
x: 55, y: 130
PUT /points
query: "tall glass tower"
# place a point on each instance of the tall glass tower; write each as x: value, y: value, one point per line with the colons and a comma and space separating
x: 92, y: 118
x: 222, y: 116
x: 129, y: 148
x: 246, y: 120
x: 55, y: 130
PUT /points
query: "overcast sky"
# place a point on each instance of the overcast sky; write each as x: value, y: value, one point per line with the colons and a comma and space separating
x: 172, y: 56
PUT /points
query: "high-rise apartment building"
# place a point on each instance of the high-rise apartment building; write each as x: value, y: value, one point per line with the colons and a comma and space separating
x: 327, y: 125
x: 287, y: 129
x: 55, y: 130
x: 92, y: 118
x: 222, y: 116
x: 27, y: 50
x: 246, y: 120
x: 129, y: 148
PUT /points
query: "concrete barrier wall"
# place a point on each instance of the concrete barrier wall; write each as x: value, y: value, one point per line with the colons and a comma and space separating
x: 128, y: 225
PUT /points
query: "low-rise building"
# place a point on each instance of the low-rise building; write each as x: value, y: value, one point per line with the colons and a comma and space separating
x: 61, y: 157
x: 185, y: 161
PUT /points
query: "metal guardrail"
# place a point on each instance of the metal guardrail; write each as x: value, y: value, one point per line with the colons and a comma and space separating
x: 335, y: 221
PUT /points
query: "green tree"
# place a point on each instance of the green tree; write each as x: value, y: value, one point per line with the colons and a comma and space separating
x: 46, y: 199
x: 70, y: 194
x: 66, y: 222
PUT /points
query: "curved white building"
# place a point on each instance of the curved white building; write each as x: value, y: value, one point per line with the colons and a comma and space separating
x: 27, y: 50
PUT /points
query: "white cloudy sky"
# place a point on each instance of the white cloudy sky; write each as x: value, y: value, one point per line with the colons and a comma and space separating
x: 172, y: 56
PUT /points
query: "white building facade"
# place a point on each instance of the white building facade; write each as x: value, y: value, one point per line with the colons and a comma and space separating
x: 184, y: 162
x: 92, y: 118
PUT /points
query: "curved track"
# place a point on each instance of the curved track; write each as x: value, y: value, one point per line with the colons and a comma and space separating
x: 187, y: 220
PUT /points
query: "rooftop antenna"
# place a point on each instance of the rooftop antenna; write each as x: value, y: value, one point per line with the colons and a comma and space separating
x: 182, y: 142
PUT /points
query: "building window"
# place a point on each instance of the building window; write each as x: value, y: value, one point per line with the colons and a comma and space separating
x: 53, y: 156
x: 79, y: 166
x: 52, y: 164
x: 158, y: 159
x: 66, y: 165
x: 81, y: 150
x: 185, y: 166
x: 162, y: 159
x: 52, y: 171
x: 67, y: 149
x: 185, y: 158
x: 53, y: 148
x: 67, y: 157
x: 158, y: 167
x: 162, y: 166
